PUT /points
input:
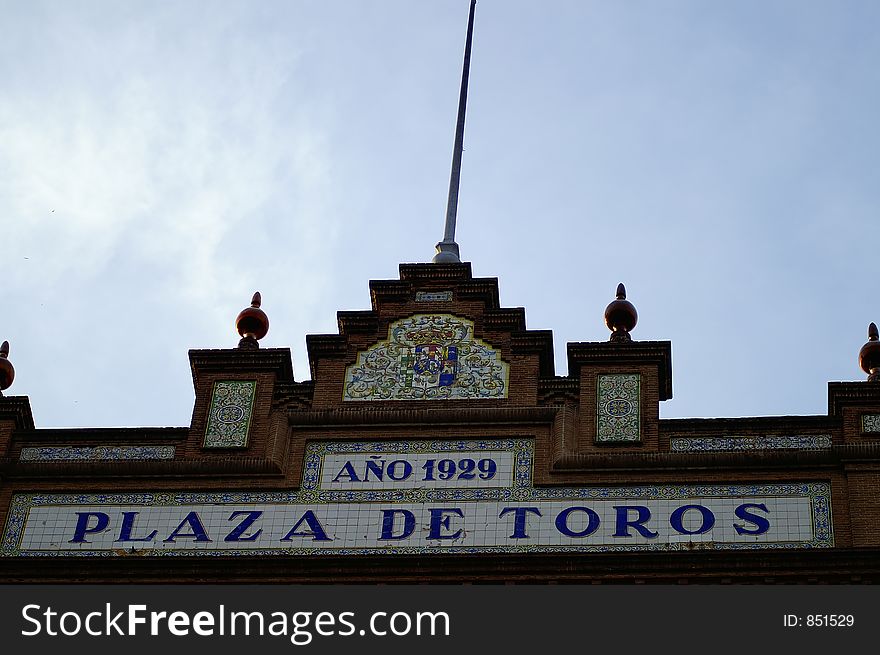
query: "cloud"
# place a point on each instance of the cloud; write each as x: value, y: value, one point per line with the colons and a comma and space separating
x: 146, y: 172
x: 127, y: 157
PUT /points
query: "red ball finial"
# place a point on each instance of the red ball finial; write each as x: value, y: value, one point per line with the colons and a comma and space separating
x: 621, y: 316
x: 869, y: 355
x: 7, y: 370
x: 252, y: 324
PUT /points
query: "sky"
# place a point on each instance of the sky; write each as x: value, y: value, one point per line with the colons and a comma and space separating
x: 161, y: 161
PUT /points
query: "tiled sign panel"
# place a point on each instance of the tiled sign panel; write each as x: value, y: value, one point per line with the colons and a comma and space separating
x: 229, y: 418
x: 618, y: 403
x: 428, y: 357
x: 441, y: 519
x: 415, y: 464
x: 471, y: 469
x: 573, y: 524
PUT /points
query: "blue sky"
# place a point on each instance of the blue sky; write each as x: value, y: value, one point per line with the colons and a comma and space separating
x: 161, y: 161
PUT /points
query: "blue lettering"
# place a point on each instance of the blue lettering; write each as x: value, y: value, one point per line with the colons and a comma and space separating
x: 438, y: 520
x: 128, y: 527
x: 82, y: 526
x: 519, y: 520
x: 623, y: 522
x: 407, y: 470
x: 315, y: 531
x: 678, y: 515
x: 195, y: 523
x: 348, y: 470
x: 592, y: 522
x: 742, y: 512
x: 246, y: 522
x: 409, y: 523
x: 378, y: 468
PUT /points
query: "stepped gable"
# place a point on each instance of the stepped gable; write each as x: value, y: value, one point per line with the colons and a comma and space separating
x: 435, y: 334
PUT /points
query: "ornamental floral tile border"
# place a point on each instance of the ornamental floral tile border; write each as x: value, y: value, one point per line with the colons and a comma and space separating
x: 229, y: 418
x: 618, y: 408
x: 94, y: 453
x: 750, y: 442
x: 428, y: 357
x: 812, y: 497
x: 870, y: 422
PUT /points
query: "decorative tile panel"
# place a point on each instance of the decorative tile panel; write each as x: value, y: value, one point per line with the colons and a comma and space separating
x: 94, y: 453
x: 433, y: 296
x: 750, y: 442
x: 428, y: 357
x: 229, y: 418
x: 452, y: 515
x: 618, y: 408
x: 417, y: 468
x: 870, y: 422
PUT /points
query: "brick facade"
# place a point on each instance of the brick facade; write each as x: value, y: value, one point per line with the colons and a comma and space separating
x: 559, y: 413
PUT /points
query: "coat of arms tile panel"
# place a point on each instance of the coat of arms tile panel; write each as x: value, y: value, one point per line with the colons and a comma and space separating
x: 428, y: 357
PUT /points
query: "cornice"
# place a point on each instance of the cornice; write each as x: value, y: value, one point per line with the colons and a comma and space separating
x: 841, y: 565
x: 234, y: 360
x: 422, y: 416
x: 612, y: 354
x: 61, y: 436
x: 506, y: 319
x: 560, y: 388
x: 165, y: 470
x: 18, y: 410
x: 755, y: 460
x: 325, y: 346
x: 748, y: 425
x: 430, y: 272
x: 841, y: 394
x: 357, y: 322
x: 296, y: 393
x: 457, y: 277
x: 539, y: 342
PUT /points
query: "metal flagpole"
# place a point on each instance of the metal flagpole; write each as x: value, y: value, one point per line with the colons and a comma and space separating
x: 447, y: 250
